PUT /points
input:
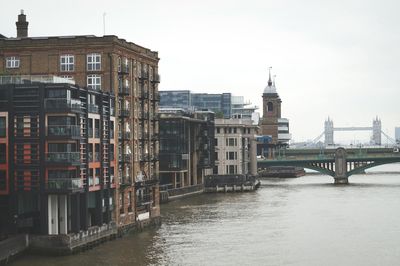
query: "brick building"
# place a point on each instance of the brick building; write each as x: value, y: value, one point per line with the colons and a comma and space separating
x: 113, y: 65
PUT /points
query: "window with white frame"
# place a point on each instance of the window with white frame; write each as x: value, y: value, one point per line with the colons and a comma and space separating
x: 12, y: 62
x: 67, y: 63
x: 93, y: 62
x: 94, y: 82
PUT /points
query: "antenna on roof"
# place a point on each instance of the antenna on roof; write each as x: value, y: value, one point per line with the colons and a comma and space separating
x: 104, y: 23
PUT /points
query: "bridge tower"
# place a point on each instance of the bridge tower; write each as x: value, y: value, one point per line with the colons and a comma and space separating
x: 376, y: 131
x: 329, y: 132
x: 271, y: 111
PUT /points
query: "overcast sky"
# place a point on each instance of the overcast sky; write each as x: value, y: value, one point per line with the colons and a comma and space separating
x: 332, y: 58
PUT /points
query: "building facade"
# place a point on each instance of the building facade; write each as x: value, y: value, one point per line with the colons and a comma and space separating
x: 235, y: 147
x: 186, y: 148
x: 58, y: 173
x: 113, y: 65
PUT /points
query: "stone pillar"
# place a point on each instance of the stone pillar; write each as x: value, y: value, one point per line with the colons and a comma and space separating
x: 53, y: 214
x: 341, y: 167
x: 253, y: 156
x: 63, y: 209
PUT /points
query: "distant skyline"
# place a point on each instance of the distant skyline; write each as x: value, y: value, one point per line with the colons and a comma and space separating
x: 332, y: 58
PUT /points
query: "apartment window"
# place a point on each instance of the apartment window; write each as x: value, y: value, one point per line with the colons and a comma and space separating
x: 215, y: 142
x: 3, y: 180
x: 3, y: 152
x: 231, y: 142
x: 2, y: 127
x: 12, y: 62
x: 94, y: 82
x: 217, y: 130
x: 93, y: 62
x: 67, y: 63
x: 231, y: 155
x: 230, y: 169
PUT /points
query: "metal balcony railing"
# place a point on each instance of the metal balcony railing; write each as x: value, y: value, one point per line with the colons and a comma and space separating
x: 156, y: 78
x: 63, y: 131
x: 92, y: 108
x: 64, y: 184
x: 125, y: 180
x: 143, y: 200
x: 124, y: 90
x: 63, y: 157
x: 123, y: 69
x: 125, y: 158
x: 144, y: 75
x: 62, y: 105
x: 156, y: 97
x: 124, y: 112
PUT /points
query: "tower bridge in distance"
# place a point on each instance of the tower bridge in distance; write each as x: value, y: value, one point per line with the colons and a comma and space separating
x: 376, y: 129
x: 339, y: 163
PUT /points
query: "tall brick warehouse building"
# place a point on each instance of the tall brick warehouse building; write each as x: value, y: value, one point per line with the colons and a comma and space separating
x: 129, y: 74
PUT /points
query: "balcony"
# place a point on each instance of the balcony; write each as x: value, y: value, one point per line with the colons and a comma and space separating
x: 143, y: 200
x: 94, y: 181
x: 125, y: 180
x: 154, y: 158
x: 124, y: 91
x: 124, y: 135
x: 64, y: 131
x: 124, y: 112
x: 155, y: 137
x: 144, y: 136
x: 125, y: 158
x: 62, y: 105
x: 144, y: 157
x: 123, y: 69
x: 64, y: 184
x: 144, y: 95
x: 72, y: 158
x: 156, y: 78
x: 144, y: 75
x: 92, y: 108
x: 144, y: 116
x: 154, y: 117
x: 156, y: 97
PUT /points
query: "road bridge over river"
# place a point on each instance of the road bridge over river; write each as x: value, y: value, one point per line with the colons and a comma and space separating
x: 339, y: 163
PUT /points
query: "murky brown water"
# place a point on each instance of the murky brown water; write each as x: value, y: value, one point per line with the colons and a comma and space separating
x: 303, y: 221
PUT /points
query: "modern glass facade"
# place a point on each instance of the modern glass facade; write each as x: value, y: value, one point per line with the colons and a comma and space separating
x: 218, y: 103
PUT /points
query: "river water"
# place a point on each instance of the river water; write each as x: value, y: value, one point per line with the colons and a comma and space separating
x: 301, y: 221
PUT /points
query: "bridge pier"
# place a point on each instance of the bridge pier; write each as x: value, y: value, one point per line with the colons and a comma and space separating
x: 341, y: 180
x: 341, y: 167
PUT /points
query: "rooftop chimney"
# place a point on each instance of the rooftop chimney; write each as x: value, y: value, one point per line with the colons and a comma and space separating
x: 22, y: 25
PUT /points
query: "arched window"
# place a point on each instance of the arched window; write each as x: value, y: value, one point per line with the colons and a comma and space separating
x: 270, y: 107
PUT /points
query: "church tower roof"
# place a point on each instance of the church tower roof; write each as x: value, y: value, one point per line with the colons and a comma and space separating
x: 271, y: 85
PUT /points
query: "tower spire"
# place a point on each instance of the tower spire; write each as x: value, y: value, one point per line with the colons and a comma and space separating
x: 269, y: 79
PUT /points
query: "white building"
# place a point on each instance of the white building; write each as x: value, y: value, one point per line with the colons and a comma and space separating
x: 235, y: 146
